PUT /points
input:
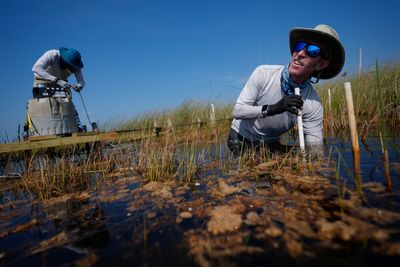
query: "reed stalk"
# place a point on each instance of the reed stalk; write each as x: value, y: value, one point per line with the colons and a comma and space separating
x: 385, y: 153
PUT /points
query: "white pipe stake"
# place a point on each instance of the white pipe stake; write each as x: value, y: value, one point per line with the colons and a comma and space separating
x: 300, y: 124
x: 212, y: 115
x: 329, y: 99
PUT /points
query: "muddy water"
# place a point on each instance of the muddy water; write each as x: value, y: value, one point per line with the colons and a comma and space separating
x: 300, y: 214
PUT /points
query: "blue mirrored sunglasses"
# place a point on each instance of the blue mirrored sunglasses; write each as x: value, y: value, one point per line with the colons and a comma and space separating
x: 312, y: 50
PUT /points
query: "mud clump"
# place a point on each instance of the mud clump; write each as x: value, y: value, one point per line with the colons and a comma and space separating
x: 223, y: 220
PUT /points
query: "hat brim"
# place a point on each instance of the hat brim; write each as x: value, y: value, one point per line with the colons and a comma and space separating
x: 337, y: 50
x: 63, y: 52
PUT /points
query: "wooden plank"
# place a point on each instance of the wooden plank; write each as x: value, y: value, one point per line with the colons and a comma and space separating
x: 70, y: 140
x: 45, y: 137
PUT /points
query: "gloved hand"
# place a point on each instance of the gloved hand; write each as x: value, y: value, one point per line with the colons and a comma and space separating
x: 63, y: 84
x: 289, y: 103
x: 77, y: 87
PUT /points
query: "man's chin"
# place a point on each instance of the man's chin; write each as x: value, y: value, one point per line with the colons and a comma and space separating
x: 295, y: 71
x: 297, y: 74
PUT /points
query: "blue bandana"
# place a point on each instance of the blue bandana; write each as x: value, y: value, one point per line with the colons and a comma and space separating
x: 288, y: 85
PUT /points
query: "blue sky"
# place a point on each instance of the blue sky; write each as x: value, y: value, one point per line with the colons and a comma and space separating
x: 142, y: 55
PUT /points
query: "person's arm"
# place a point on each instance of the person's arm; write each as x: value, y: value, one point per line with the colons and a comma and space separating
x: 47, y: 59
x: 80, y: 82
x: 313, y: 126
x: 244, y: 107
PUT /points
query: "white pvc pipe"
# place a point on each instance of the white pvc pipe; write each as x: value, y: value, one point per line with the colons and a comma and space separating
x: 300, y: 124
x: 329, y: 99
x: 212, y: 116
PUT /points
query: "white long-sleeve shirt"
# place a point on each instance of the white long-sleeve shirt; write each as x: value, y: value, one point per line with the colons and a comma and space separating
x: 264, y: 88
x: 48, y: 69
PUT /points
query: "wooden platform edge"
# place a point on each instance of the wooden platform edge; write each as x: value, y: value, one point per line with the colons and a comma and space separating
x: 55, y: 141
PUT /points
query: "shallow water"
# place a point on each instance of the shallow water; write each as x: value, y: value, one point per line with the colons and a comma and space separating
x: 371, y: 162
x: 257, y: 217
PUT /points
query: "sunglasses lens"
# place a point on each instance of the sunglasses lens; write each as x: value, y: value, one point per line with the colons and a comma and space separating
x: 313, y: 51
x: 299, y: 46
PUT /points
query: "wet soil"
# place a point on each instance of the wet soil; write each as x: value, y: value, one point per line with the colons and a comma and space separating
x: 258, y: 216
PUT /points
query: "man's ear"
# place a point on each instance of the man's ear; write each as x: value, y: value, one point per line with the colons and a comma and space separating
x: 322, y: 64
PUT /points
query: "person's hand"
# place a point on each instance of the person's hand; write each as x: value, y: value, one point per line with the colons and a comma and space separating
x: 291, y: 103
x: 63, y: 84
x: 77, y: 87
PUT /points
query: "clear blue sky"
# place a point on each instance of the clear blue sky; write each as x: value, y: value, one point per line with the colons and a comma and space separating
x: 145, y: 55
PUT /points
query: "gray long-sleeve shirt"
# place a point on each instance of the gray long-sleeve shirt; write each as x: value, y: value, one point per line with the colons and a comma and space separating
x: 264, y: 88
x: 48, y: 69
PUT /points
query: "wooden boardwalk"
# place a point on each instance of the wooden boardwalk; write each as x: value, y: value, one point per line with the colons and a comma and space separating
x: 42, y: 142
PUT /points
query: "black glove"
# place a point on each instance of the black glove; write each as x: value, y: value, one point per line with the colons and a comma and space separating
x: 77, y: 87
x: 289, y: 103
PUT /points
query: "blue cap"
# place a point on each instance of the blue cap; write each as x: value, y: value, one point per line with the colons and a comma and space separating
x: 72, y: 57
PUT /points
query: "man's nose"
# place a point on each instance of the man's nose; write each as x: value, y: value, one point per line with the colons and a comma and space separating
x: 302, y: 52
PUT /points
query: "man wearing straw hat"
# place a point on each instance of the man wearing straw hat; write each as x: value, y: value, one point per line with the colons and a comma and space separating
x: 267, y: 106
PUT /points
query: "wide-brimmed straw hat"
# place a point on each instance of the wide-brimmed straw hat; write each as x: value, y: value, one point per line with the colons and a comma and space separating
x: 326, y: 36
x: 72, y: 57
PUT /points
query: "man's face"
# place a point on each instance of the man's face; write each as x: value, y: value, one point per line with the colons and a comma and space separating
x: 302, y: 66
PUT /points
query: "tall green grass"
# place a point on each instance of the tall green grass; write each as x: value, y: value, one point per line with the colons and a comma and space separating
x: 189, y: 112
x: 366, y: 102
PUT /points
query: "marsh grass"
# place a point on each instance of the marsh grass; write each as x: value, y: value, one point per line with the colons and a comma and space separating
x: 180, y: 155
x: 367, y: 99
x: 365, y: 96
x: 183, y: 156
x: 383, y: 131
x: 67, y: 171
x: 192, y: 147
x: 189, y: 112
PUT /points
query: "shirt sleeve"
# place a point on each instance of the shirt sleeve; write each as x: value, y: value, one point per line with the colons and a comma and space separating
x: 47, y: 59
x: 244, y: 107
x: 312, y: 125
x: 79, y: 78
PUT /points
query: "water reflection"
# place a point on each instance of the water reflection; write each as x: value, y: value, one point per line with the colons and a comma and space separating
x: 74, y: 228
